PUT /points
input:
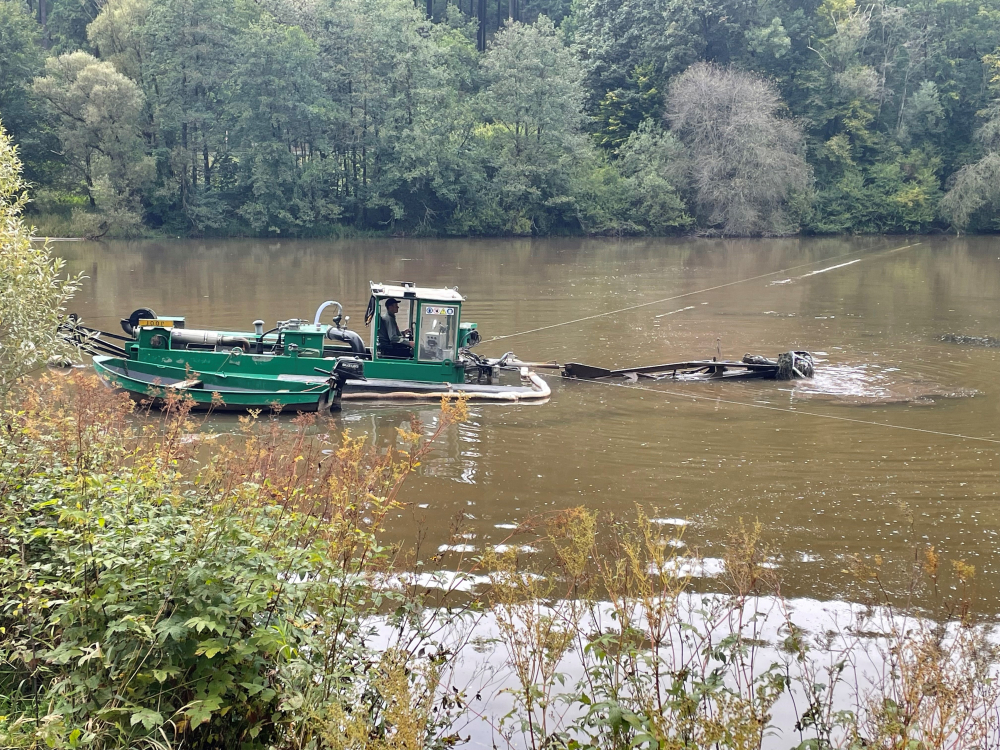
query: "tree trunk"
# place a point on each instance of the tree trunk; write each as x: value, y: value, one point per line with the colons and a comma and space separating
x: 194, y: 159
x: 430, y: 9
x: 481, y: 34
x: 43, y: 19
x: 204, y: 156
x: 89, y: 180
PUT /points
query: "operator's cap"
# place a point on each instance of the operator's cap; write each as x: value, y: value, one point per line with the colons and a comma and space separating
x: 392, y: 301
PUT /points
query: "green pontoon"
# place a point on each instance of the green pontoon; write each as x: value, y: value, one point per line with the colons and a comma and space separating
x: 418, y: 348
x: 222, y: 392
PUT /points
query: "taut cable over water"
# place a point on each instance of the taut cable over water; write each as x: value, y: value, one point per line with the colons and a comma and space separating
x: 707, y: 289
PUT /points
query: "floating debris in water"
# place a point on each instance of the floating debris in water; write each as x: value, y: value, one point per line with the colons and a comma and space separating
x: 956, y: 338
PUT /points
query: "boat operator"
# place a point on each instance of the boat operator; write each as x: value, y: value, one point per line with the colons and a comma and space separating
x: 392, y: 341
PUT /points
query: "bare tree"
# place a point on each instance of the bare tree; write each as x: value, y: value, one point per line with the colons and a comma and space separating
x: 744, y: 162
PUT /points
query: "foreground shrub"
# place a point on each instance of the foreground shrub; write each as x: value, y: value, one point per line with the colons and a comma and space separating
x: 32, y: 294
x: 231, y: 609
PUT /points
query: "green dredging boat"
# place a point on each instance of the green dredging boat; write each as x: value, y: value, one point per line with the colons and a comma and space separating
x: 425, y: 355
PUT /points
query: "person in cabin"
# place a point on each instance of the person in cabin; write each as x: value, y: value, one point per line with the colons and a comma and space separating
x: 391, y: 341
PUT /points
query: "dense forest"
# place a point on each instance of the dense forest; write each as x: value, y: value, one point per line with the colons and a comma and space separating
x: 317, y: 117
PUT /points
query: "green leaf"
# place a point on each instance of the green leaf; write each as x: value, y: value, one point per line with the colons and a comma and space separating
x: 161, y: 675
x: 149, y: 718
x: 211, y: 647
x: 171, y: 629
x: 204, y: 623
x: 251, y: 687
x: 200, y: 712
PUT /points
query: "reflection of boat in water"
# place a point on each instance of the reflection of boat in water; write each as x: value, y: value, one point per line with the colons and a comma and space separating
x: 454, y: 455
x: 426, y: 357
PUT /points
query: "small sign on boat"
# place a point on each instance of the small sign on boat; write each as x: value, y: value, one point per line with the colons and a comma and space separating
x: 156, y: 323
x: 433, y: 310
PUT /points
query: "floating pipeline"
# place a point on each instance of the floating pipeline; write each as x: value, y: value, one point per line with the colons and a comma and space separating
x: 787, y: 366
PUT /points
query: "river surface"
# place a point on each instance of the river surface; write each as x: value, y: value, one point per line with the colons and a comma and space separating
x: 813, y: 461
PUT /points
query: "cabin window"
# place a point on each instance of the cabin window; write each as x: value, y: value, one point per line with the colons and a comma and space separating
x: 438, y: 333
x: 393, y: 341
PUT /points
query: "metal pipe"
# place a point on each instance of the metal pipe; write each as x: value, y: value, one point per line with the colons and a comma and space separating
x: 321, y: 308
x: 206, y: 338
x: 350, y: 337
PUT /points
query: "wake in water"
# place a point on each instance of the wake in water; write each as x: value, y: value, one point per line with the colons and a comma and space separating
x: 955, y: 338
x: 873, y: 384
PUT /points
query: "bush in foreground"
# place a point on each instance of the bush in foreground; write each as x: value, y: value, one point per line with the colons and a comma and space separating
x: 32, y: 294
x: 231, y: 609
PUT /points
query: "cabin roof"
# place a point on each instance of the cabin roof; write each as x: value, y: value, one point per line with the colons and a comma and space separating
x: 407, y: 290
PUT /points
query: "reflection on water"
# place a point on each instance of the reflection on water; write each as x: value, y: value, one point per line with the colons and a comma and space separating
x: 852, y: 661
x: 453, y: 455
x: 824, y: 490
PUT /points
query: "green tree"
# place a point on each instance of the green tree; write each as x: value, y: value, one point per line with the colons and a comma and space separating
x: 615, y: 38
x: 531, y: 105
x: 874, y: 175
x: 33, y: 296
x: 621, y: 111
x: 190, y: 56
x: 273, y: 111
x: 975, y: 194
x: 21, y: 59
x: 118, y: 35
x: 98, y: 111
x: 652, y: 162
x: 66, y: 26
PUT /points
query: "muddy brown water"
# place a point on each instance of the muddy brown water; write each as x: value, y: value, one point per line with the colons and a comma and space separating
x: 823, y: 488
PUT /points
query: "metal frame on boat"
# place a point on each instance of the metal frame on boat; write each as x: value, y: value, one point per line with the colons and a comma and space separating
x: 786, y: 366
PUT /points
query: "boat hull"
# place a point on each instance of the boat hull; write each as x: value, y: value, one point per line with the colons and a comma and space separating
x: 158, y: 384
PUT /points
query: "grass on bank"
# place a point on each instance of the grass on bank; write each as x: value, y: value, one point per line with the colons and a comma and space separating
x: 149, y: 600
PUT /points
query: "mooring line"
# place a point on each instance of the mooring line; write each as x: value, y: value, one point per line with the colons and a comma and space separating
x: 672, y: 312
x: 714, y: 399
x: 699, y: 291
x: 832, y: 268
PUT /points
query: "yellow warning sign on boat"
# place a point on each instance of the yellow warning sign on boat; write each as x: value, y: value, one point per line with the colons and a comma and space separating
x: 156, y: 323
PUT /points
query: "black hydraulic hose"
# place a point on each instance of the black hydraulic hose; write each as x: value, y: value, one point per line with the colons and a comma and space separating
x: 260, y: 340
